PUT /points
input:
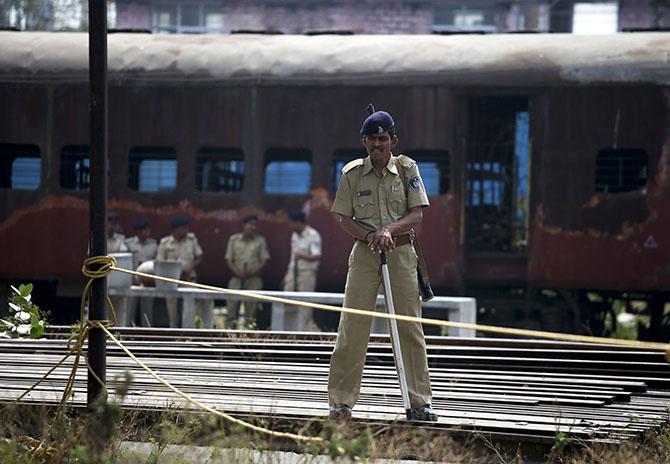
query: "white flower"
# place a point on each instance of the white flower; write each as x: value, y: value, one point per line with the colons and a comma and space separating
x: 24, y: 329
x: 15, y: 307
x: 24, y: 316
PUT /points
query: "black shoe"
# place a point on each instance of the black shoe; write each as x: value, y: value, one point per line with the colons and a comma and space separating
x: 424, y: 413
x: 340, y: 412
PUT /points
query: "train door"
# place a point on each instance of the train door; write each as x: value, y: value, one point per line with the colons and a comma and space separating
x: 497, y: 188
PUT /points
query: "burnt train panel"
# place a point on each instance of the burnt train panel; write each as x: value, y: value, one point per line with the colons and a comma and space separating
x: 590, y: 142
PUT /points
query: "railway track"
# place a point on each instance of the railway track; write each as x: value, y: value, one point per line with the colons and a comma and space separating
x: 524, y: 390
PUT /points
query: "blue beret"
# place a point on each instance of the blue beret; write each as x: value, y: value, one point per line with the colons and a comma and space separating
x: 112, y: 216
x: 249, y: 218
x: 141, y: 224
x: 179, y: 220
x: 378, y: 122
x: 298, y: 216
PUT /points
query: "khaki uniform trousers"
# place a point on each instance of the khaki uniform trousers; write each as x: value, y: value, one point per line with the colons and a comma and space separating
x: 299, y: 318
x: 361, y: 290
x: 250, y: 307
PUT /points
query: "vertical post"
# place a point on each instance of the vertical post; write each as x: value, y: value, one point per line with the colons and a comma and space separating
x: 97, y: 55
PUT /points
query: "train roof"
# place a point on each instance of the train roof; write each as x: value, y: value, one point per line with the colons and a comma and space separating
x: 462, y: 60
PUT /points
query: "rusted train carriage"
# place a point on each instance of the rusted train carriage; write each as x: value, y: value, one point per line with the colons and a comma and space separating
x: 546, y: 157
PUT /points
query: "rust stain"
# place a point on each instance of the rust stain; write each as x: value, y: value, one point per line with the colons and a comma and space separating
x: 592, y: 202
x: 45, y: 204
x: 319, y: 198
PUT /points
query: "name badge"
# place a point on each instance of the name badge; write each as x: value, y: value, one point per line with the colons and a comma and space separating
x: 364, y: 193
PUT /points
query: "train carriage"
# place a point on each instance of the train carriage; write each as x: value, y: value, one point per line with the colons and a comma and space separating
x: 546, y: 157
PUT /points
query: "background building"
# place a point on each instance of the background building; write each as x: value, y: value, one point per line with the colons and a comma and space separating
x: 345, y: 16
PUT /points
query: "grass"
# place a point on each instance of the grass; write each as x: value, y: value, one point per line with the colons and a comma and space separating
x: 33, y: 434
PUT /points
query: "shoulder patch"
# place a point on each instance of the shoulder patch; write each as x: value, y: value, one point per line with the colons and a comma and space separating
x: 405, y: 161
x: 352, y: 164
x: 415, y: 183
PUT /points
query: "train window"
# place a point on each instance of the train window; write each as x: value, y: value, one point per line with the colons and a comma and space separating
x: 152, y: 169
x: 434, y: 169
x: 288, y: 171
x: 20, y: 166
x: 489, y: 188
x: 75, y: 163
x: 621, y: 170
x: 342, y: 157
x: 219, y: 169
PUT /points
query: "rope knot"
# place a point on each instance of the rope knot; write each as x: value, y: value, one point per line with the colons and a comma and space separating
x: 103, y: 266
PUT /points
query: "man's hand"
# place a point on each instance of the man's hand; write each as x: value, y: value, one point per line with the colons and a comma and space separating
x: 381, y: 240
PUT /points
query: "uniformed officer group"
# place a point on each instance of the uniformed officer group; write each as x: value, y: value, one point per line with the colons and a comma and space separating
x: 246, y: 256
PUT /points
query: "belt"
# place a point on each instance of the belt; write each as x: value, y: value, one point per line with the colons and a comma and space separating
x: 398, y: 240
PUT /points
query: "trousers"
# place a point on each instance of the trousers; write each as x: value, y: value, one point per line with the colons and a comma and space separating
x: 299, y: 318
x: 361, y: 290
x: 250, y: 307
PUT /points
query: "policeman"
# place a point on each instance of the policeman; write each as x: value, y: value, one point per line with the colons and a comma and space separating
x: 115, y: 241
x: 144, y: 248
x: 182, y: 245
x: 246, y: 255
x: 302, y: 269
x: 379, y: 200
x: 116, y: 244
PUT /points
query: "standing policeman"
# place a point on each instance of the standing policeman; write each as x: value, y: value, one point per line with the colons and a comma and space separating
x: 379, y: 201
x: 144, y: 248
x: 302, y: 269
x: 182, y: 245
x: 246, y: 256
x: 116, y: 244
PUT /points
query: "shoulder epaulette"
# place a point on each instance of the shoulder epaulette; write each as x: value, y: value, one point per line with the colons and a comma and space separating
x: 405, y: 161
x: 352, y: 164
x: 166, y: 238
x: 190, y: 235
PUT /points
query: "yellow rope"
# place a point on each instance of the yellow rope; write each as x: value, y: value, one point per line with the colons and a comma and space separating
x: 192, y: 400
x: 436, y: 322
x: 107, y: 264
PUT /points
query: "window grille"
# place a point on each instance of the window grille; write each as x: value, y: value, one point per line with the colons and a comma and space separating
x: 621, y: 170
x: 219, y: 170
x: 75, y: 164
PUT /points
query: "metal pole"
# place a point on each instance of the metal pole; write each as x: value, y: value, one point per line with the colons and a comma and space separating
x: 395, y: 338
x: 97, y: 55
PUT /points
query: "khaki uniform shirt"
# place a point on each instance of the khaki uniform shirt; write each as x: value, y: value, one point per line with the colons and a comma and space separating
x: 309, y: 243
x: 142, y: 252
x: 247, y: 253
x: 185, y: 250
x: 375, y: 201
x: 116, y: 244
